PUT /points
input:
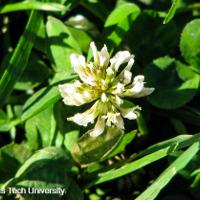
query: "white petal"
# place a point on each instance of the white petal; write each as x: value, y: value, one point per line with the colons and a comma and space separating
x: 95, y: 52
x: 77, y: 93
x: 104, y: 98
x: 109, y: 71
x: 120, y: 58
x: 104, y: 56
x: 77, y: 61
x: 119, y: 101
x: 99, y: 128
x: 129, y: 113
x: 82, y: 69
x: 138, y: 84
x: 127, y: 77
x: 77, y: 84
x: 144, y: 92
x: 119, y: 89
x: 114, y: 119
x: 86, y: 117
x: 109, y: 75
x: 82, y: 119
x: 120, y: 122
x: 88, y: 78
x: 130, y: 64
x: 138, y: 78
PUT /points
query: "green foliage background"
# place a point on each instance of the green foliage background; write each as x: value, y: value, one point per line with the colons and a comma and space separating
x: 157, y: 157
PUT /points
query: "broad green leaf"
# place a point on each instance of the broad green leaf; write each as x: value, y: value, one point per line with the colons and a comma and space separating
x: 62, y: 44
x: 32, y: 5
x: 71, y: 139
x: 171, y: 11
x: 43, y: 157
x: 61, y: 112
x: 35, y: 73
x: 90, y: 149
x: 47, y: 168
x: 68, y: 132
x: 190, y: 43
x: 177, y: 89
x: 119, y: 14
x: 184, y: 72
x: 42, y: 99
x: 82, y: 38
x: 80, y: 22
x: 19, y: 59
x: 12, y: 156
x: 41, y: 40
x: 41, y: 129
x: 151, y: 192
x: 119, y: 22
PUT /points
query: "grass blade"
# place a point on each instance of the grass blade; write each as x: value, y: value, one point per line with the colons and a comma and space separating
x: 151, y: 154
x: 169, y: 173
x: 19, y: 59
x: 130, y: 167
x: 171, y: 12
x: 32, y: 5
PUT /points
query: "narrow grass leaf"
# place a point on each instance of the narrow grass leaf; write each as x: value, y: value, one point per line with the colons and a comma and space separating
x: 32, y: 5
x: 131, y: 167
x: 19, y: 59
x: 151, y: 192
x: 146, y: 157
x: 171, y: 12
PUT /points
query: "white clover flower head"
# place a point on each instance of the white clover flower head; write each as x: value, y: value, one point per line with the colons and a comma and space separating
x: 104, y: 82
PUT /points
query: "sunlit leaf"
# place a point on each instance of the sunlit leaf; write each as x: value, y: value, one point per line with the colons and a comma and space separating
x: 32, y: 5
x: 119, y: 22
x: 190, y: 43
